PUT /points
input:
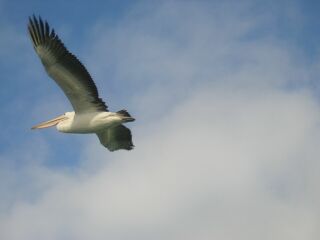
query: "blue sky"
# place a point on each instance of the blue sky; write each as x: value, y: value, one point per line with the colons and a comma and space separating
x: 226, y: 98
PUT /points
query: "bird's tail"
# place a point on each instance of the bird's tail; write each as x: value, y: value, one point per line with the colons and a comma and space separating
x: 125, y: 115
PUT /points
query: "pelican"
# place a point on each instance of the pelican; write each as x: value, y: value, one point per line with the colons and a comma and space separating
x: 91, y: 114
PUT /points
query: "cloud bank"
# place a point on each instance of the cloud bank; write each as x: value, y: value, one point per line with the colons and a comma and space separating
x: 226, y: 138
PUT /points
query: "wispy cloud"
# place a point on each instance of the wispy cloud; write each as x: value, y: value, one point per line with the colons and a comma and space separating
x: 226, y: 136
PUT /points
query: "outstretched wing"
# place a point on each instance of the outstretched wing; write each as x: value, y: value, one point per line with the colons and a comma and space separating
x: 65, y: 68
x: 116, y: 138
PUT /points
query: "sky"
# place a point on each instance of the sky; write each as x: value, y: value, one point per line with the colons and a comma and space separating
x: 226, y: 98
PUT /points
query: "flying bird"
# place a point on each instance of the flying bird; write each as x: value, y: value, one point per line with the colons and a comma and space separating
x: 91, y: 114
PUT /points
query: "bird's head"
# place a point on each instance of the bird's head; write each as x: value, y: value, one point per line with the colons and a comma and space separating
x: 56, y: 121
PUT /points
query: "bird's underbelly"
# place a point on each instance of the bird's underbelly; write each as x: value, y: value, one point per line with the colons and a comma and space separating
x: 89, y: 124
x: 87, y: 128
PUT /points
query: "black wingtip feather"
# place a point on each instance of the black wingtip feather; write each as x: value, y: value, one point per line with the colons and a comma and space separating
x: 47, y: 29
x: 41, y: 29
x: 32, y: 31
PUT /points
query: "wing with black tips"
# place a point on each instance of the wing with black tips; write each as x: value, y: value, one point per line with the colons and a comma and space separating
x: 66, y: 70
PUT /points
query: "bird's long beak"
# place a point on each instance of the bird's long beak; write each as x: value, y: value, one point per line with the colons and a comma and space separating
x: 50, y: 123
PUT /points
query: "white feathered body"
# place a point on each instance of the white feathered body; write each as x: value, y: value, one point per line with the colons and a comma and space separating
x: 88, y: 122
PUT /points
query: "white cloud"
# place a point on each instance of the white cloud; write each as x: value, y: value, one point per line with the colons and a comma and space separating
x: 226, y: 151
x: 241, y: 169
